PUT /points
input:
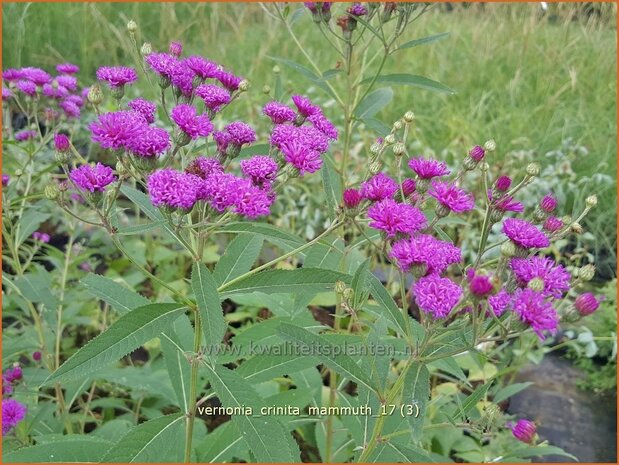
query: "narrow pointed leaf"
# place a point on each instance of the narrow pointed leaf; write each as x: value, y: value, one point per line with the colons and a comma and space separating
x: 416, y: 391
x: 416, y: 81
x: 121, y: 298
x: 124, y: 336
x: 68, y: 449
x: 238, y: 258
x: 209, y: 306
x: 423, y: 40
x: 374, y: 102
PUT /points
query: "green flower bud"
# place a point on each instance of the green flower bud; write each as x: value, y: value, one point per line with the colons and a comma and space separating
x: 146, y: 49
x: 375, y: 167
x: 52, y: 192
x: 132, y: 27
x: 62, y: 158
x: 95, y: 95
x: 490, y: 145
x: 536, y: 284
x: 399, y: 149
x: 244, y: 85
x: 375, y: 149
x: 419, y: 270
x: 533, y: 169
x: 118, y: 92
x: 340, y: 287
x: 587, y: 272
x: 508, y: 249
x: 409, y: 116
x: 441, y: 210
x: 576, y: 228
x: 276, y: 69
x: 348, y: 294
x: 422, y: 186
x: 591, y: 201
x: 496, y: 215
x: 390, y: 139
x: 266, y: 89
x: 397, y: 125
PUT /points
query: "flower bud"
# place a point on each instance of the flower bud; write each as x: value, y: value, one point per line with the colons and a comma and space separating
x: 441, y: 210
x: 423, y: 185
x: 508, y: 249
x: 36, y: 356
x: 348, y: 294
x: 118, y: 92
x: 276, y: 69
x: 548, y: 204
x: 587, y: 272
x: 409, y: 116
x: 397, y: 125
x: 120, y: 168
x: 351, y: 197
x: 132, y: 27
x: 552, y: 224
x: 496, y: 215
x: 52, y: 192
x: 586, y: 304
x: 61, y: 143
x: 477, y: 153
x: 419, y: 270
x: 63, y: 186
x: 146, y: 49
x: 266, y: 89
x: 399, y: 149
x: 591, y: 201
x: 503, y: 183
x: 536, y: 284
x: 576, y: 228
x: 62, y: 158
x: 95, y: 95
x: 176, y: 49
x: 390, y: 139
x: 244, y: 85
x: 533, y: 169
x: 490, y: 145
x: 375, y: 149
x: 375, y: 167
x: 340, y: 287
x: 525, y: 431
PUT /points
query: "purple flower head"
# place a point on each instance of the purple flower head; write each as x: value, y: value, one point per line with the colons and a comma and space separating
x: 145, y: 108
x: 5, y: 180
x: 13, y: 412
x: 214, y: 96
x: 67, y: 68
x: 506, y: 203
x: 203, y: 167
x: 36, y: 75
x: 40, y: 237
x: 61, y: 143
x: 193, y: 125
x: 278, y: 112
x: 240, y: 133
x: 54, y: 91
x: 150, y: 143
x: 6, y: 93
x: 352, y: 198
x: 181, y: 77
x: 13, y: 375
x: 76, y: 99
x: 524, y: 234
x: 253, y: 201
x: 479, y: 284
x: 25, y: 135
x: 71, y: 110
x: 477, y: 153
x: 408, y: 186
x: 325, y: 126
x: 548, y: 204
x: 524, y: 430
x: 357, y: 9
x: 552, y: 224
x: 117, y: 76
x: 222, y: 190
x: 556, y: 278
x: 259, y: 168
x: 425, y: 251
x: 452, y: 197
x: 68, y: 82
x: 36, y: 356
x: 12, y: 74
x: 306, y: 136
x: 503, y: 183
x: 436, y: 295
x: 302, y: 157
x: 114, y: 130
x: 305, y: 106
x: 379, y: 187
x: 28, y: 88
x: 173, y: 189
x: 311, y: 6
x: 393, y: 218
x: 228, y: 80
x: 222, y: 139
x: 428, y: 168
x: 499, y: 302
x: 586, y: 303
x: 535, y: 311
x: 162, y: 63
x: 202, y: 67
x: 176, y: 49
x: 92, y: 178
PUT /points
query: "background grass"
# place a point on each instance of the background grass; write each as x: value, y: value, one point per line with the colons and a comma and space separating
x: 529, y: 80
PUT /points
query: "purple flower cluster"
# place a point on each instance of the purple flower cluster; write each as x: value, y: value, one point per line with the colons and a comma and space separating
x: 214, y: 97
x: 437, y: 296
x: 92, y: 178
x: 428, y: 168
x: 117, y: 76
x: 145, y: 108
x: 260, y: 169
x: 41, y: 237
x: 524, y: 234
x: 379, y: 187
x: 115, y: 130
x: 452, y: 197
x: 554, y: 278
x: 192, y: 124
x: 13, y: 412
x: 394, y: 218
x: 424, y: 250
x: 173, y: 189
x: 279, y: 113
x: 25, y: 135
x: 11, y: 377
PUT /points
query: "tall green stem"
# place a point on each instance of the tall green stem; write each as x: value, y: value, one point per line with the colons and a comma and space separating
x: 191, y: 414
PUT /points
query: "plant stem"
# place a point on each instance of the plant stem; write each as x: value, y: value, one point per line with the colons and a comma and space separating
x: 191, y: 414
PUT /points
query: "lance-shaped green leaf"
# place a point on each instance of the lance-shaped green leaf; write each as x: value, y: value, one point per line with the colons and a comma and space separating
x: 423, y: 40
x: 67, y: 449
x: 178, y: 367
x: 329, y: 354
x: 276, y: 236
x: 416, y: 391
x: 380, y: 295
x: 121, y: 298
x: 332, y: 184
x: 29, y: 223
x: 262, y: 368
x: 374, y: 102
x: 238, y: 258
x: 471, y: 401
x: 265, y: 436
x: 209, y: 306
x: 286, y: 281
x: 157, y: 440
x: 142, y: 200
x: 124, y: 336
x: 415, y: 81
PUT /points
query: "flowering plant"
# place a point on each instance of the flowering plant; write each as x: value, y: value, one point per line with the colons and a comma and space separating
x: 185, y: 176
